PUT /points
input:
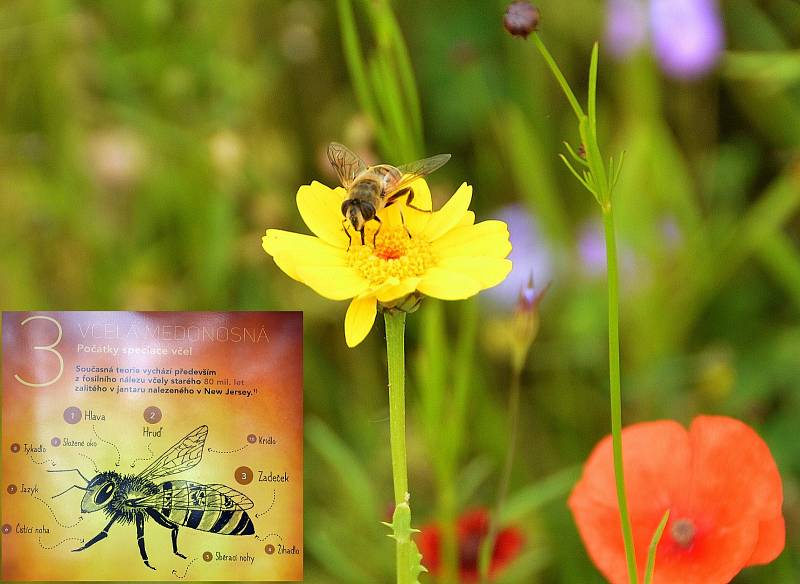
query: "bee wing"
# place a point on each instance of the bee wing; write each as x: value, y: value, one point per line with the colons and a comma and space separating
x: 224, y: 495
x: 185, y: 454
x: 347, y: 164
x: 196, y: 497
x: 414, y: 170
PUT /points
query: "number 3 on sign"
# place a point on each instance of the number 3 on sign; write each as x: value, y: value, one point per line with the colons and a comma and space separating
x: 48, y: 348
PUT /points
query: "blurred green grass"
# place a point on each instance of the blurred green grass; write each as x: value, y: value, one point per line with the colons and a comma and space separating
x: 145, y: 147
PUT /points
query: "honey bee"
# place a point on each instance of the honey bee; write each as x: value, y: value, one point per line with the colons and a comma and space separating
x: 172, y: 504
x: 371, y: 188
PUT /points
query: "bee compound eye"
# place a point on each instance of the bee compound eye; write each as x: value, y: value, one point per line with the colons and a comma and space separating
x: 104, y: 494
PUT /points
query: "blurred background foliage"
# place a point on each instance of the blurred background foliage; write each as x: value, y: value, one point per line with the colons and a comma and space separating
x: 145, y: 146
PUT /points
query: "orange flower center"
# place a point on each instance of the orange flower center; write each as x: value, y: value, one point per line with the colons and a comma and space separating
x: 682, y: 532
x: 394, y: 255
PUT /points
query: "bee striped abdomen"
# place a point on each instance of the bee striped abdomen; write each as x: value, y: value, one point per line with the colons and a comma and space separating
x: 213, y: 508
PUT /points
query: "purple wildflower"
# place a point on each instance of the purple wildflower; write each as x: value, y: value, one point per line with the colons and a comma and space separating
x: 687, y: 35
x: 592, y: 249
x: 626, y: 26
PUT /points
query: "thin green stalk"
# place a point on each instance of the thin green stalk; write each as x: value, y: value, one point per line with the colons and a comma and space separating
x: 616, y: 390
x: 597, y: 182
x: 573, y: 101
x: 395, y: 353
x: 485, y: 559
x: 650, y: 567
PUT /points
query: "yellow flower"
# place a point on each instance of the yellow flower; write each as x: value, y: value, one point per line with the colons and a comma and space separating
x: 447, y: 255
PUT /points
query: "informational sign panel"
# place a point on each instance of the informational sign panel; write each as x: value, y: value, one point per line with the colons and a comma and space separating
x: 152, y: 446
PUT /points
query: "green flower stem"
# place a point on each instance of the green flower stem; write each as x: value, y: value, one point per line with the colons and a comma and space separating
x: 395, y: 352
x: 487, y: 547
x: 596, y: 180
x: 615, y: 389
x: 562, y: 81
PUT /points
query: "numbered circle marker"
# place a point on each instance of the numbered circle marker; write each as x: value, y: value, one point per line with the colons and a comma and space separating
x: 251, y: 438
x: 15, y: 448
x: 244, y: 475
x: 72, y: 415
x: 152, y: 415
x: 6, y: 529
x: 207, y: 556
x: 11, y: 489
x: 55, y: 442
x: 270, y: 549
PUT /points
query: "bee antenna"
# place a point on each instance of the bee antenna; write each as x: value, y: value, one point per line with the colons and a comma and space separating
x: 71, y: 470
x: 69, y: 489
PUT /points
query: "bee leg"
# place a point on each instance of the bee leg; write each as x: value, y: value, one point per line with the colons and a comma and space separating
x: 377, y: 231
x: 140, y: 539
x: 100, y: 536
x: 362, y: 235
x: 403, y: 221
x: 175, y: 542
x: 347, y: 231
x: 411, y: 198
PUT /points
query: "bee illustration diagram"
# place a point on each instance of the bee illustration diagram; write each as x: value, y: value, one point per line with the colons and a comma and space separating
x: 371, y: 188
x: 173, y: 504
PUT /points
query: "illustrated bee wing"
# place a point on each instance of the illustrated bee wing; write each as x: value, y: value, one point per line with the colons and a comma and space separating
x: 347, y: 164
x: 185, y: 454
x: 186, y: 495
x: 414, y: 170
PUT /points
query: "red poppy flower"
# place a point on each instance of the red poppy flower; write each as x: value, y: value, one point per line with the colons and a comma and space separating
x: 472, y: 528
x: 720, y: 484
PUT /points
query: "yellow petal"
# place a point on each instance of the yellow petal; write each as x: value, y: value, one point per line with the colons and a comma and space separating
x: 450, y: 215
x: 467, y: 219
x: 321, y: 209
x: 393, y: 291
x: 333, y: 282
x: 291, y: 250
x: 487, y: 271
x: 448, y: 285
x: 486, y: 239
x: 359, y: 319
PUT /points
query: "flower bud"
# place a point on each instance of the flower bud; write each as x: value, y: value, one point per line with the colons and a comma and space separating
x: 526, y: 322
x: 521, y: 18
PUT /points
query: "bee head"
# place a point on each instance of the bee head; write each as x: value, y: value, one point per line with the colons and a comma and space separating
x: 358, y: 212
x: 99, y: 492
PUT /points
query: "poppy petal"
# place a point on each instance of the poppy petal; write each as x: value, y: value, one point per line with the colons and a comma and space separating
x: 733, y: 470
x: 771, y: 541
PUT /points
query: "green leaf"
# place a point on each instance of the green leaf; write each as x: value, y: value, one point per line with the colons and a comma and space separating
x: 651, y: 553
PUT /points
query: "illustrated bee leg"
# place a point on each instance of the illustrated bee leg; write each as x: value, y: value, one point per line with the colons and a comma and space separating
x: 175, y: 542
x: 377, y: 231
x: 163, y: 521
x: 140, y: 539
x: 100, y: 536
